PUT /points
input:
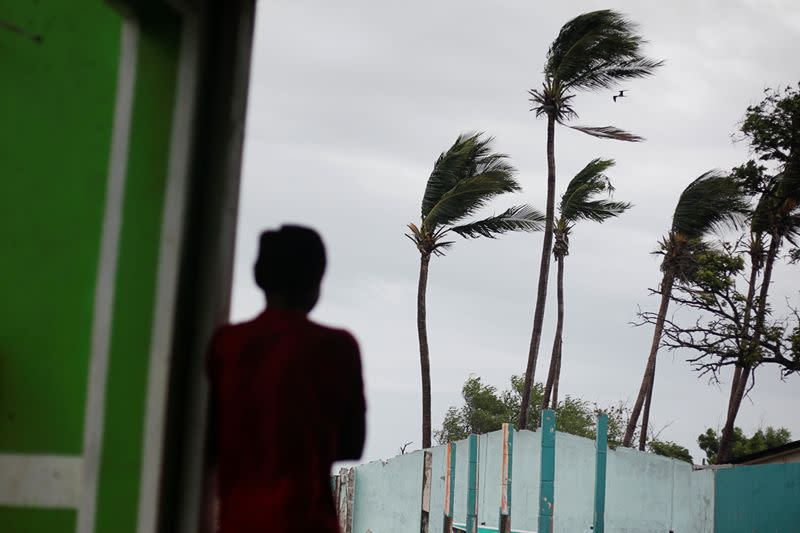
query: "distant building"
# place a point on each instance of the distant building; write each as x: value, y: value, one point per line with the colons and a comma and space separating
x: 787, y: 453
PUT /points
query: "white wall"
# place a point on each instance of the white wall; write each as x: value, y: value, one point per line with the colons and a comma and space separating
x: 645, y: 493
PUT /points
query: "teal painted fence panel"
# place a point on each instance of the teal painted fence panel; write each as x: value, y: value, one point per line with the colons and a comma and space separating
x: 600, y: 474
x: 758, y: 498
x: 547, y: 480
x: 472, y: 485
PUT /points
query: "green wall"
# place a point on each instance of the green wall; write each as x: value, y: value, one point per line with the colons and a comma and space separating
x: 57, y: 105
x: 758, y: 498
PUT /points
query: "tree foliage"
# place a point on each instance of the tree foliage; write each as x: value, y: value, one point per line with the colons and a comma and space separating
x: 670, y: 449
x: 762, y: 439
x: 712, y: 322
x: 486, y: 409
x: 593, y: 51
x: 464, y: 179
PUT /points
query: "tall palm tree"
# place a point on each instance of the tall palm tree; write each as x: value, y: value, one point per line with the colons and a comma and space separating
x: 464, y: 179
x: 712, y: 202
x: 777, y: 215
x: 592, y: 52
x: 579, y: 202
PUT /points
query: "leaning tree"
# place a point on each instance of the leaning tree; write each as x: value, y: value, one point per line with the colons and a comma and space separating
x: 593, y: 52
x: 579, y: 202
x: 463, y: 180
x: 712, y: 202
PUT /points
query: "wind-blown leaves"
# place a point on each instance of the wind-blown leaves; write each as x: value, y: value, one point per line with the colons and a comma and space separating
x: 470, y: 155
x: 593, y: 51
x: 518, y: 218
x: 578, y: 201
x: 608, y: 132
x: 468, y: 196
x: 712, y: 202
x: 464, y: 180
x: 597, y: 50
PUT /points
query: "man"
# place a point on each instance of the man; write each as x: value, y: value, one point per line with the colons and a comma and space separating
x: 287, y: 399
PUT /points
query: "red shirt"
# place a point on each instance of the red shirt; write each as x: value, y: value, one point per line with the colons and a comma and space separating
x: 288, y: 401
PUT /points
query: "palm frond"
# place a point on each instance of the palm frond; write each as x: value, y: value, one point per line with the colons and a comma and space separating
x: 470, y: 194
x: 447, y: 169
x: 597, y: 50
x: 579, y: 200
x: 518, y: 218
x: 608, y: 132
x: 712, y: 202
x: 602, y: 75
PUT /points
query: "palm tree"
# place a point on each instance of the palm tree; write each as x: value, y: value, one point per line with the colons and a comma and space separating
x: 594, y: 51
x: 776, y: 215
x: 464, y: 179
x: 712, y: 202
x: 579, y: 202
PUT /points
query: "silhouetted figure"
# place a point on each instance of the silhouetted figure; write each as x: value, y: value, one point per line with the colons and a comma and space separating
x: 287, y: 398
x: 620, y: 95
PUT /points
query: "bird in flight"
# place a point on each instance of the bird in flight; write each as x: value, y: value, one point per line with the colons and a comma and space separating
x: 620, y: 95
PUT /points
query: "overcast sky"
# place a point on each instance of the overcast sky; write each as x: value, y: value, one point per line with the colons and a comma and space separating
x: 352, y: 101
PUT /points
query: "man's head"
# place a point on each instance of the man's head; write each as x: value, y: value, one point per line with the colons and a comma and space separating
x: 290, y: 265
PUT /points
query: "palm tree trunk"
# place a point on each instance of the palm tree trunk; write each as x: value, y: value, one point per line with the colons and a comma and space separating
x: 646, y: 412
x: 424, y: 358
x: 650, y: 369
x: 544, y: 271
x: 741, y: 386
x: 555, y: 356
x: 554, y: 403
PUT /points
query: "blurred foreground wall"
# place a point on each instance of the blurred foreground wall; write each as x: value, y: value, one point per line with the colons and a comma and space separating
x: 121, y: 127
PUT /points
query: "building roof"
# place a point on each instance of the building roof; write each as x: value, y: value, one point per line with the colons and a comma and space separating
x: 769, y: 452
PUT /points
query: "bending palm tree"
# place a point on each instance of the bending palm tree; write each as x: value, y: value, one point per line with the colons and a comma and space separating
x: 593, y: 51
x: 463, y: 180
x: 711, y: 202
x: 578, y: 203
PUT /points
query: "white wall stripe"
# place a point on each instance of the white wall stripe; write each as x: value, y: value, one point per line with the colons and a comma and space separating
x: 167, y: 280
x: 107, y: 274
x: 52, y: 481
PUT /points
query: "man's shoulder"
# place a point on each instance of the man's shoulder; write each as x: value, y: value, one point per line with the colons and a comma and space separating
x: 334, y: 335
x: 231, y: 330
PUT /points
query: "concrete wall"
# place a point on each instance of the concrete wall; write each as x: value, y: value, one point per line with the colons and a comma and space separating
x: 388, y: 495
x: 646, y: 493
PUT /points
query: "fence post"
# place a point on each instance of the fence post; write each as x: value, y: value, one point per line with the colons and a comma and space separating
x: 547, y: 472
x: 472, y: 486
x: 449, y: 483
x: 600, y: 474
x: 345, y: 495
x: 505, y: 479
x: 425, y: 514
